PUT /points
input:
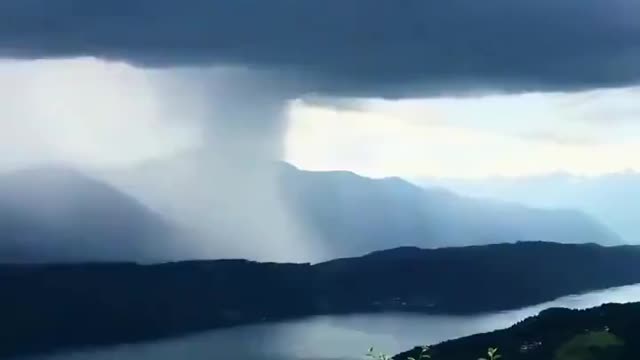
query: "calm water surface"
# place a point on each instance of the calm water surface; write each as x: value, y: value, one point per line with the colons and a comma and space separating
x: 344, y: 337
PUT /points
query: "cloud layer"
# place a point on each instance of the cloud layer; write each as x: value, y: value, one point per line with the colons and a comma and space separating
x: 354, y: 46
x: 593, y: 132
x: 197, y: 145
x: 225, y: 70
x: 88, y: 113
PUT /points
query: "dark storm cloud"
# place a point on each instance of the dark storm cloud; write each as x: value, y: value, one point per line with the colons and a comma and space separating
x: 349, y: 45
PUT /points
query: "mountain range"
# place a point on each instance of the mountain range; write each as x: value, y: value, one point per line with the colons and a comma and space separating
x: 358, y: 214
x: 55, y: 214
x: 613, y: 199
x: 351, y: 214
x: 111, y: 303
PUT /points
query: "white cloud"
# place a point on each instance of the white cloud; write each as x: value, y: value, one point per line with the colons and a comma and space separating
x: 588, y: 133
x: 84, y: 111
x: 98, y: 113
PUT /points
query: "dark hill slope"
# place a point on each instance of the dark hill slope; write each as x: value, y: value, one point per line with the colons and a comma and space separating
x: 55, y: 214
x: 49, y: 307
x: 544, y: 336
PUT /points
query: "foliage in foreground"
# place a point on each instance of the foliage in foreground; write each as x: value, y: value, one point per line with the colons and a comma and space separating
x: 590, y: 346
x: 593, y: 345
x: 492, y: 354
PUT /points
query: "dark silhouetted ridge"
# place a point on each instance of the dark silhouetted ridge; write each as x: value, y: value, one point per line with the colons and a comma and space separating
x: 57, y: 214
x: 613, y: 326
x: 99, y: 304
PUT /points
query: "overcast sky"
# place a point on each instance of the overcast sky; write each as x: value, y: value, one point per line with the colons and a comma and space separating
x: 110, y: 113
x: 588, y: 133
x: 455, y: 88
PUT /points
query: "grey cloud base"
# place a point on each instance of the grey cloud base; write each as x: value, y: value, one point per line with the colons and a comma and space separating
x: 355, y: 47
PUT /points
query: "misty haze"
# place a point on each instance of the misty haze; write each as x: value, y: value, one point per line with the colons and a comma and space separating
x: 295, y: 180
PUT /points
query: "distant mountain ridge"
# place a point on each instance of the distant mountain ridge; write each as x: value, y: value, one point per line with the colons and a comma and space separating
x: 613, y: 199
x: 123, y: 302
x: 363, y: 214
x: 351, y: 214
x: 57, y: 214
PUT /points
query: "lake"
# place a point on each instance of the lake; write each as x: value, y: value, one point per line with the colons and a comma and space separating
x: 343, y: 337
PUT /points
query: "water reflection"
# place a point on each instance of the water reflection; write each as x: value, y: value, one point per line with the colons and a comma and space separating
x: 336, y: 337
